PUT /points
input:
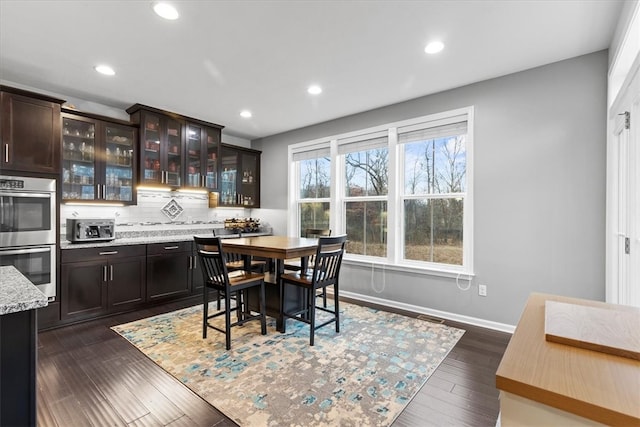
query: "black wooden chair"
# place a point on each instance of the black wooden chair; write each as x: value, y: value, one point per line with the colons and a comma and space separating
x: 296, y: 265
x: 230, y: 286
x: 325, y: 273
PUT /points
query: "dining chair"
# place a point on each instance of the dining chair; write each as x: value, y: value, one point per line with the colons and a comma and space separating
x: 296, y: 265
x: 325, y: 273
x: 230, y: 286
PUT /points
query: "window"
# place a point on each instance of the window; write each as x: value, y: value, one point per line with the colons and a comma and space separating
x: 366, y: 185
x: 314, y: 184
x: 402, y: 192
x: 433, y: 196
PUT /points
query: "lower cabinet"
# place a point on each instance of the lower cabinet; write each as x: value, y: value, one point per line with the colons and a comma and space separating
x: 100, y: 281
x: 97, y: 281
x: 169, y: 267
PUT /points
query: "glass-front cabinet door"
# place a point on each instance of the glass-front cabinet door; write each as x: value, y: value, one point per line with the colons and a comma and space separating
x: 161, y: 161
x: 173, y: 174
x: 79, y: 159
x: 250, y: 194
x: 150, y: 156
x: 194, y: 156
x: 97, y: 160
x: 119, y: 164
x: 228, y: 177
x: 202, y: 157
x: 211, y: 158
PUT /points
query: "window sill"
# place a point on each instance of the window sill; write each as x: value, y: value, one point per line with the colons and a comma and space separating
x: 379, y: 263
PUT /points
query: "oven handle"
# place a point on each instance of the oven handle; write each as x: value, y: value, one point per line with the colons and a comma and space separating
x: 25, y: 251
x: 31, y: 195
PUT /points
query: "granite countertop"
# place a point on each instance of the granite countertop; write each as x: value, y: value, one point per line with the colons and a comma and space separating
x: 150, y: 237
x: 17, y: 293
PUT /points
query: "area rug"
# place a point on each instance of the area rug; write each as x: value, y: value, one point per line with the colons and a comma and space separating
x: 363, y: 376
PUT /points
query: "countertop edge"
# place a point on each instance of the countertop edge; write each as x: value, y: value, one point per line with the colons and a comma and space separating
x: 17, y: 293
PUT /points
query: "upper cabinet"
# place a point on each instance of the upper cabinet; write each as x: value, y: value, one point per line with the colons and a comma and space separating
x: 98, y: 159
x: 176, y: 151
x: 29, y: 132
x: 239, y: 177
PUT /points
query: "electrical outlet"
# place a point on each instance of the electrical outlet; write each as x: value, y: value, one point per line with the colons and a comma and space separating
x: 482, y: 290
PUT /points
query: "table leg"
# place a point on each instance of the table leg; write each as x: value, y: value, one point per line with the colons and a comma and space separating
x: 280, y: 321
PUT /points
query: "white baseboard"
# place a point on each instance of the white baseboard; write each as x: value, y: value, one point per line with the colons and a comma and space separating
x: 503, y: 327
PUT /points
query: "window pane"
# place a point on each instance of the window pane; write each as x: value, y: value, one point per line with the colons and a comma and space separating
x: 315, y: 178
x: 366, y: 172
x: 314, y: 215
x: 367, y: 228
x: 435, y: 166
x: 433, y: 230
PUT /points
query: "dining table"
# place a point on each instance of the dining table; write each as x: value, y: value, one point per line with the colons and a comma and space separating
x: 277, y: 248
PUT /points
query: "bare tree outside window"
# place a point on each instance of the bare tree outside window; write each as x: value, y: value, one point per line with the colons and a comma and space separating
x: 366, y: 175
x: 436, y: 171
x: 315, y: 190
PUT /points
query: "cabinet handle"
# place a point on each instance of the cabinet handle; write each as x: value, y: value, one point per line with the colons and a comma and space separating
x: 104, y: 191
x: 98, y: 191
x: 194, y: 262
x: 168, y: 248
x: 104, y: 273
x: 6, y: 153
x: 108, y: 253
x: 111, y: 272
x: 204, y: 181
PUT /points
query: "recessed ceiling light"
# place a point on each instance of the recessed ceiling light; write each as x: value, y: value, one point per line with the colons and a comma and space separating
x: 314, y: 90
x: 104, y: 69
x: 165, y: 10
x: 434, y: 47
x: 246, y: 114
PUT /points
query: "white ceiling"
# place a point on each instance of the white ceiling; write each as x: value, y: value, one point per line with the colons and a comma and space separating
x: 221, y: 57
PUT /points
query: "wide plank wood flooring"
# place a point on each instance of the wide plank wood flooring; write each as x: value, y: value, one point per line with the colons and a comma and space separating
x: 90, y: 376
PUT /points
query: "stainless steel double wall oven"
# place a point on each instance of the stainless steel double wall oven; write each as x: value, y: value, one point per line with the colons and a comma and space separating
x: 28, y: 229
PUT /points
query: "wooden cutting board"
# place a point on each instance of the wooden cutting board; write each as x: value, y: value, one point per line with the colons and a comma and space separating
x: 614, y: 330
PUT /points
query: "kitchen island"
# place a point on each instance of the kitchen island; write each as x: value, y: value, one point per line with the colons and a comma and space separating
x: 549, y: 383
x: 19, y: 299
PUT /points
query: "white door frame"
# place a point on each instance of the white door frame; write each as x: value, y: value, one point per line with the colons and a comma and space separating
x: 623, y: 199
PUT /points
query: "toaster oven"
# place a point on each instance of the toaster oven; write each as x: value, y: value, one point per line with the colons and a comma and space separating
x: 90, y: 230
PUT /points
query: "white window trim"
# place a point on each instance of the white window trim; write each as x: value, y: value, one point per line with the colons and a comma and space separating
x: 394, y: 197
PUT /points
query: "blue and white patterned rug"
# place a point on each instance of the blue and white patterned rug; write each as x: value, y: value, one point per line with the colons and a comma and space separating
x: 363, y: 376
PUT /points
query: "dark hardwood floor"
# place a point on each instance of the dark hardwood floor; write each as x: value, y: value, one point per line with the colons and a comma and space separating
x: 90, y: 376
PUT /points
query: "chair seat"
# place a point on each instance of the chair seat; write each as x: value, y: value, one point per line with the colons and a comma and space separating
x: 299, y: 278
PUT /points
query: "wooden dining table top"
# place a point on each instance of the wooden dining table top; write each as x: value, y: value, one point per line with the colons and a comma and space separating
x: 278, y: 247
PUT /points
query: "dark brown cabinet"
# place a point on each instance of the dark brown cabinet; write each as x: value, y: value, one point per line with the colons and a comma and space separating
x: 239, y: 177
x: 97, y: 281
x: 98, y: 159
x: 169, y: 268
x: 30, y: 132
x: 175, y: 150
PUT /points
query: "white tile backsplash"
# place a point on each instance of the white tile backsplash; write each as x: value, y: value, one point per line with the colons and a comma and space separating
x: 149, y: 209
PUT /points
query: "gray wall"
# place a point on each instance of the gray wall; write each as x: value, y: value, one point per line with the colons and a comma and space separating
x: 539, y: 189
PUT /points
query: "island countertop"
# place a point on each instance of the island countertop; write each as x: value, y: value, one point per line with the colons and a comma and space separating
x: 597, y: 386
x: 17, y: 293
